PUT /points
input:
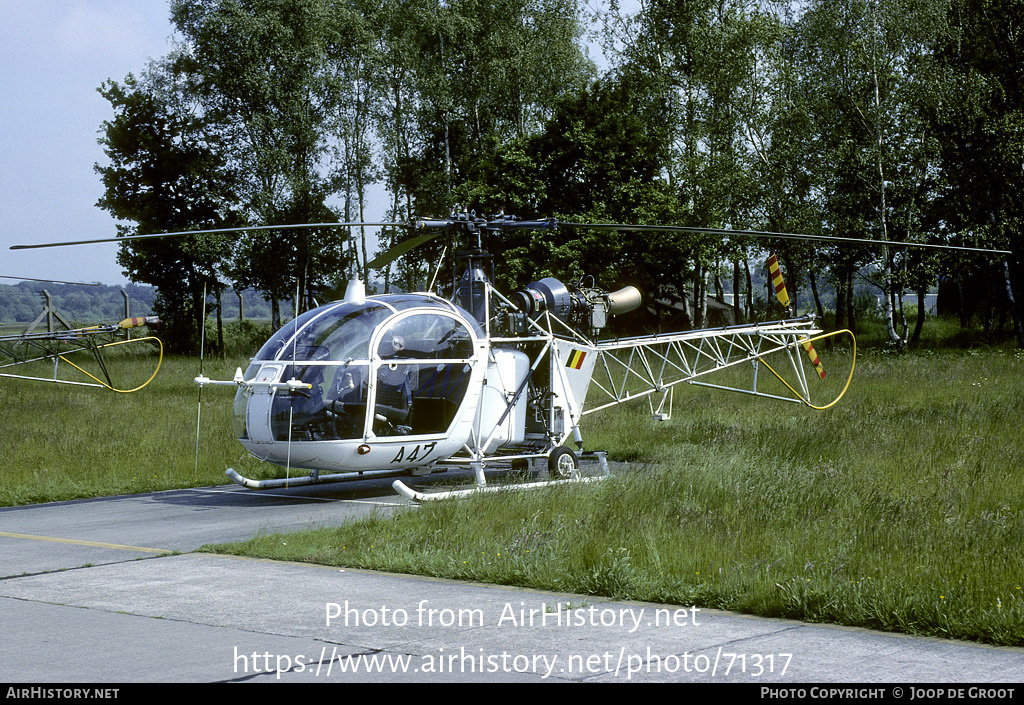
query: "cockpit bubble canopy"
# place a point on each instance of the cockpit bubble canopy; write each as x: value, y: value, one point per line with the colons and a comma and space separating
x: 415, y: 348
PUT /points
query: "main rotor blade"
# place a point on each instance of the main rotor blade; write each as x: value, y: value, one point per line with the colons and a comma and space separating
x: 401, y: 248
x: 780, y: 236
x: 128, y: 238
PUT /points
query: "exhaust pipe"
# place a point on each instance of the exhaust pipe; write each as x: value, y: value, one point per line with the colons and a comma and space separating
x: 624, y: 300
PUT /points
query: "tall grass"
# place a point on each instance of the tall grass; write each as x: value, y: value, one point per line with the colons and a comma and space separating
x: 66, y: 442
x: 900, y: 509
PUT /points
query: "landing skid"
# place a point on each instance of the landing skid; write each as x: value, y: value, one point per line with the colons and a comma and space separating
x: 480, y: 488
x: 407, y: 492
x: 308, y: 479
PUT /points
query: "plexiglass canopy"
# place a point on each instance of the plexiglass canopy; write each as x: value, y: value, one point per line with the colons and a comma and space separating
x: 393, y: 365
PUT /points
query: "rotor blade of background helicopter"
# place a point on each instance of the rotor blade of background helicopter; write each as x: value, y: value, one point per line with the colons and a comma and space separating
x: 780, y: 236
x: 55, y: 281
x: 248, y: 228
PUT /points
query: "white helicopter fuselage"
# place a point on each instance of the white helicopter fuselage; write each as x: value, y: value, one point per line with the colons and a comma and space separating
x: 414, y: 383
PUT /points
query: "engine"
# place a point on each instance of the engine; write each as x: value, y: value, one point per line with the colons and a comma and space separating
x: 585, y: 308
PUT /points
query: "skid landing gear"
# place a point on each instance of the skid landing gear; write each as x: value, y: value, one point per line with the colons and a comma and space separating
x: 563, y: 468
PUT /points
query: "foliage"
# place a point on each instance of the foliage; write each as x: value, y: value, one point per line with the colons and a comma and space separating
x: 883, y: 119
x: 598, y: 160
x: 484, y: 78
x: 978, y: 118
x: 165, y: 175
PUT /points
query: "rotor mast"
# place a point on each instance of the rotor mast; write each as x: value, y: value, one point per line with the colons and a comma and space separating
x: 471, y: 286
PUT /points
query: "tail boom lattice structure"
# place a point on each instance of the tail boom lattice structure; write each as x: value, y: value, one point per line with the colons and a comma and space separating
x: 90, y: 342
x: 634, y: 368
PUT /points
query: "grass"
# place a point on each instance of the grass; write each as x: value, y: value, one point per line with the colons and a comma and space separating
x: 65, y: 442
x: 902, y: 508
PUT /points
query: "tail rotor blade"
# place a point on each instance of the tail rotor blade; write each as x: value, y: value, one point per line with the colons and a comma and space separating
x: 777, y: 282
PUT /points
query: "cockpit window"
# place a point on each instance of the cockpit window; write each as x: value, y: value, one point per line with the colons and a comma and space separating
x: 334, y: 332
x: 419, y: 369
x: 427, y: 336
x: 422, y: 373
x: 342, y: 331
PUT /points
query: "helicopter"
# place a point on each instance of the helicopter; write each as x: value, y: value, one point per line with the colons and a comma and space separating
x: 58, y: 345
x: 414, y: 383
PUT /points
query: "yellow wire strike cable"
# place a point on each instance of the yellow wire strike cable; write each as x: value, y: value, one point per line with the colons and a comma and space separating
x: 159, y: 362
x: 849, y: 379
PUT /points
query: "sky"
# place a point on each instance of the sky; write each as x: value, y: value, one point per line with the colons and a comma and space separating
x: 54, y: 54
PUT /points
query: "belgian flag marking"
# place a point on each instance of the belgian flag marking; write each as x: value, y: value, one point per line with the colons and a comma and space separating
x: 576, y: 359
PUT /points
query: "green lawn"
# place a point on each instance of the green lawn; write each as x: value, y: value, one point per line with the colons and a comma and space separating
x: 66, y: 442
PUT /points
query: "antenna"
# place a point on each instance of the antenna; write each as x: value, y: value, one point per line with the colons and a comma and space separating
x: 437, y: 269
x: 199, y: 408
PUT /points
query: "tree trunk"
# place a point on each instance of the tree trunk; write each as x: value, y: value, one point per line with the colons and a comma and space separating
x: 750, y: 289
x: 699, y: 296
x: 817, y: 298
x: 737, y: 310
x: 1018, y: 326
x: 841, y: 318
x: 919, y: 325
x: 851, y: 305
x: 962, y: 308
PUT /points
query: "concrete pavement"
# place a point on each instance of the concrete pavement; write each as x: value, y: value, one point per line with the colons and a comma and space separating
x: 113, y: 591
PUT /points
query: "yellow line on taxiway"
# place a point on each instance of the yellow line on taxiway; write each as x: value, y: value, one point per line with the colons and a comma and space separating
x: 79, y: 542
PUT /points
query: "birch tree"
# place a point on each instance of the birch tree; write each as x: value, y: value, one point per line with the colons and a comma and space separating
x: 260, y: 70
x: 863, y: 60
x: 705, y: 55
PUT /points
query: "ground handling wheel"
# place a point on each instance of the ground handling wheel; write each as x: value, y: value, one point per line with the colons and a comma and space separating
x: 563, y: 464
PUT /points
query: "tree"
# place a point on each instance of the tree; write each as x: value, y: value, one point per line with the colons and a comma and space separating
x: 266, y: 74
x: 600, y: 158
x: 704, y: 56
x: 489, y: 74
x: 400, y: 29
x: 873, y: 154
x: 166, y: 175
x: 978, y: 114
x: 467, y: 84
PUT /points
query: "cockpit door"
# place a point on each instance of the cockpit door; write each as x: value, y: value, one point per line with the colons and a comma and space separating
x: 422, y: 365
x: 261, y: 399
